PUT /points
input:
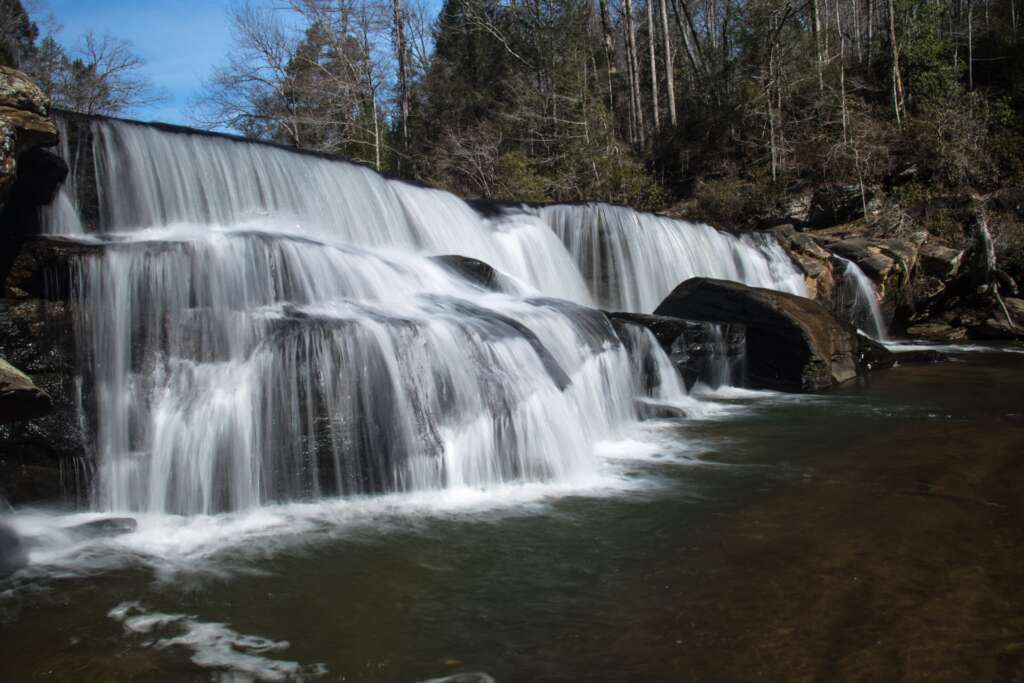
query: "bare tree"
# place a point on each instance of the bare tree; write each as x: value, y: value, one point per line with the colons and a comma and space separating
x: 103, y: 77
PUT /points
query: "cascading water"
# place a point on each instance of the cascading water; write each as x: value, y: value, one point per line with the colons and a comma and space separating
x: 632, y: 260
x: 857, y: 301
x: 61, y: 217
x: 262, y: 325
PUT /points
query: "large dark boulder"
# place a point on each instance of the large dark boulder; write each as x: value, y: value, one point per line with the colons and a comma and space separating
x: 793, y: 343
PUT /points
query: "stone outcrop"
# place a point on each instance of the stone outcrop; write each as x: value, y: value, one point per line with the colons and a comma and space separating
x: 811, y: 258
x: 24, y: 124
x: 20, y: 398
x: 793, y: 343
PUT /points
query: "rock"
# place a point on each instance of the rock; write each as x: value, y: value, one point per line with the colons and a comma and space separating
x: 936, y: 331
x: 812, y: 259
x: 102, y: 528
x: 995, y: 328
x: 649, y: 409
x: 24, y: 123
x: 835, y: 204
x: 12, y: 551
x: 792, y: 343
x: 20, y: 398
x: 474, y: 270
x: 43, y: 267
x: 872, y: 355
x: 1015, y: 307
x: 699, y: 350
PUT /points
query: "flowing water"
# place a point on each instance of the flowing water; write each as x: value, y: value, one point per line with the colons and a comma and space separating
x: 345, y: 458
x: 857, y: 301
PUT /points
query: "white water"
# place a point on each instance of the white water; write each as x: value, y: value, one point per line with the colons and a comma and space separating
x: 264, y: 327
x: 858, y: 301
x: 61, y: 217
x: 632, y: 260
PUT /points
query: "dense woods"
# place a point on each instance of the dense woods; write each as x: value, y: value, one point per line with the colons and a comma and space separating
x: 725, y: 105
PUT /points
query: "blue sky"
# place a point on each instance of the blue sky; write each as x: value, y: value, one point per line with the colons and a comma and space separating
x: 180, y: 40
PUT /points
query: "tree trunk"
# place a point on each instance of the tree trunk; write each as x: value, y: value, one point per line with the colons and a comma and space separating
x: 669, y: 68
x: 403, y: 72
x: 897, y: 79
x: 654, y: 67
x: 970, y: 45
x: 634, y: 67
x: 609, y: 50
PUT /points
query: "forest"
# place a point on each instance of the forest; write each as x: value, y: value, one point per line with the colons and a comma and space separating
x: 721, y: 108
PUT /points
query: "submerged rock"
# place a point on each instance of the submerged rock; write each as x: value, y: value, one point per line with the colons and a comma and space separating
x: 793, y: 343
x: 650, y: 409
x: 99, y: 528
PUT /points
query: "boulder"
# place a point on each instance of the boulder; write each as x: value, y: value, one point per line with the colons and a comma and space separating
x: 792, y: 343
x: 476, y: 271
x: 649, y: 409
x: 1015, y: 307
x: 24, y: 123
x: 20, y: 398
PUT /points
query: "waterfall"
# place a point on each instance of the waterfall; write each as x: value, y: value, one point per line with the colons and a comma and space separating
x: 857, y: 301
x: 61, y: 217
x: 632, y: 260
x: 261, y: 325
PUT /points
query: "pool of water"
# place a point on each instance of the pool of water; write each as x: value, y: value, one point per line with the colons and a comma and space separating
x: 639, y: 574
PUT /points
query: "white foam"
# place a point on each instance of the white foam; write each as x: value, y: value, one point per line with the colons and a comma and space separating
x: 214, y: 645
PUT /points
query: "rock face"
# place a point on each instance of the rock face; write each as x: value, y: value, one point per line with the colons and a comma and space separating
x: 834, y: 204
x: 812, y: 259
x: 20, y: 398
x: 793, y: 343
x: 36, y: 336
x: 24, y: 123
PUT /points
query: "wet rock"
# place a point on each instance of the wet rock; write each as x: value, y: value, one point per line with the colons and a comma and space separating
x: 102, y: 528
x: 43, y: 266
x: 20, y: 398
x: 697, y: 349
x: 650, y: 409
x: 935, y: 331
x: 792, y: 343
x: 474, y: 270
x: 12, y: 551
